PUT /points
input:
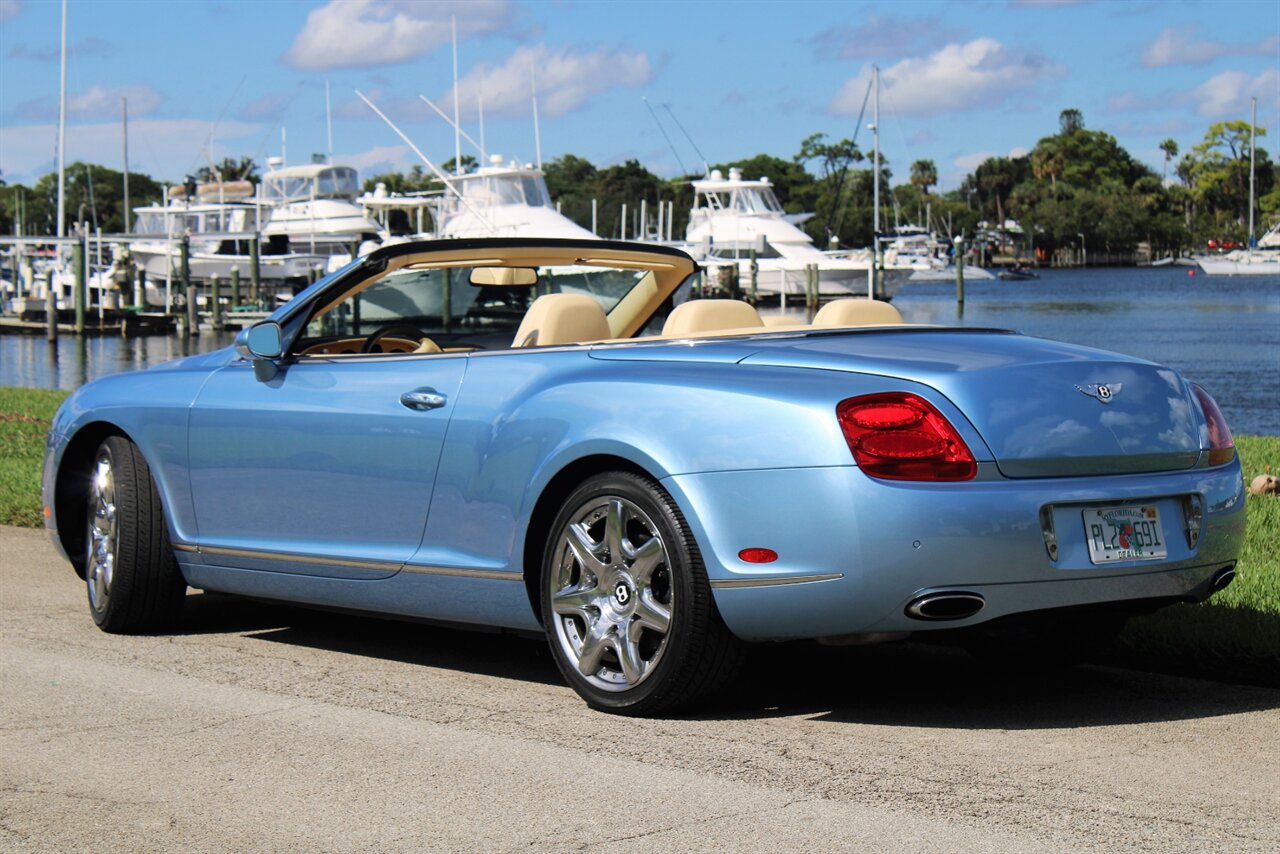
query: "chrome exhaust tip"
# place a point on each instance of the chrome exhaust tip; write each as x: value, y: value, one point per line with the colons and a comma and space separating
x: 945, y: 606
x: 1222, y: 580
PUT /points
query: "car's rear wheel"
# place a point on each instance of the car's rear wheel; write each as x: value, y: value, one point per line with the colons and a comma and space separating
x: 133, y: 580
x: 626, y: 602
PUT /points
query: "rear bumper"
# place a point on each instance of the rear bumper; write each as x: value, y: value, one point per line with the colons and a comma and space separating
x: 854, y: 551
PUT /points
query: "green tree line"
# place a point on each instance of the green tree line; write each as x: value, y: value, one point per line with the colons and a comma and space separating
x: 1074, y: 182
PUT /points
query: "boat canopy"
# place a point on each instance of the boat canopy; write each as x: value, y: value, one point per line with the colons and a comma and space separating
x: 736, y: 194
x: 504, y: 186
x: 303, y: 183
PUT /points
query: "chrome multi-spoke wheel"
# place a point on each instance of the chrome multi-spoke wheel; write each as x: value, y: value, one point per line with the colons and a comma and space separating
x: 626, y: 602
x: 611, y: 593
x: 132, y: 577
x: 103, y: 533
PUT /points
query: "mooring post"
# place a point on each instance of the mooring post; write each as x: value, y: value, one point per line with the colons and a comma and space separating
x: 755, y: 276
x: 235, y: 287
x: 215, y: 303
x: 50, y: 307
x: 78, y: 286
x: 255, y: 270
x: 960, y: 273
x: 140, y: 289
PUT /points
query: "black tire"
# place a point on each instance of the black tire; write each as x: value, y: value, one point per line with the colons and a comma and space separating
x: 133, y: 581
x: 636, y: 667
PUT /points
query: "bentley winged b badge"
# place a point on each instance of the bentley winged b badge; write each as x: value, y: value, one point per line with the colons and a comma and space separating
x: 1103, y: 393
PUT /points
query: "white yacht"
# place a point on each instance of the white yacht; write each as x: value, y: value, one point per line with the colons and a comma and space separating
x: 313, y: 209
x: 205, y: 215
x: 503, y: 201
x: 1264, y: 260
x: 731, y: 216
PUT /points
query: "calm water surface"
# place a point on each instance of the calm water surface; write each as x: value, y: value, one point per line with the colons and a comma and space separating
x: 1223, y: 333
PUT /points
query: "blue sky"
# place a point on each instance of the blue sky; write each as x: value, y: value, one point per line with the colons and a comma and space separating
x: 961, y: 80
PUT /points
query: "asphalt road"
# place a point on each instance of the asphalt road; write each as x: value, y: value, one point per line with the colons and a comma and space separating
x: 264, y: 727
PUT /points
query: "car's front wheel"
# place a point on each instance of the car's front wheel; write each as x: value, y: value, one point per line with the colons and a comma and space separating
x: 626, y: 602
x: 133, y: 580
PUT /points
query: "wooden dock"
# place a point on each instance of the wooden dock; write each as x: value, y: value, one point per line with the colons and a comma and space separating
x: 127, y: 323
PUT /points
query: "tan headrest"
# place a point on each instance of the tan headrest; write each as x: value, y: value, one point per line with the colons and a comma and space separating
x: 857, y: 312
x: 562, y: 319
x: 709, y: 315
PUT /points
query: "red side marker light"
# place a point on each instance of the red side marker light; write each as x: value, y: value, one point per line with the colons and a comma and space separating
x: 758, y: 555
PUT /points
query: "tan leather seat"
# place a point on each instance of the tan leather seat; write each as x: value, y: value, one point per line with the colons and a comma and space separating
x: 710, y: 315
x: 857, y: 312
x: 562, y: 319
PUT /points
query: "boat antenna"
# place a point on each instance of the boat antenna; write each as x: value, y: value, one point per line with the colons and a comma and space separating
x: 62, y: 132
x: 706, y: 168
x: 537, y: 136
x: 875, y: 78
x: 124, y: 132
x: 484, y: 155
x: 457, y: 127
x: 434, y: 169
x: 328, y: 119
x: 683, y: 169
x: 442, y: 114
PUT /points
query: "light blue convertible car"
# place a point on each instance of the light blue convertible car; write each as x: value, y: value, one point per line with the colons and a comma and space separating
x: 549, y: 436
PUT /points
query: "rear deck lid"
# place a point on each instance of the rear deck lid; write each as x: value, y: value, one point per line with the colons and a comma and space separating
x: 1044, y: 408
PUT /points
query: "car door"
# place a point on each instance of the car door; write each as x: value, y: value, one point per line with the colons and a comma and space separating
x: 327, y: 469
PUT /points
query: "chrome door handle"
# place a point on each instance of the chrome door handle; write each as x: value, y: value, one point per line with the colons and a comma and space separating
x: 423, y: 399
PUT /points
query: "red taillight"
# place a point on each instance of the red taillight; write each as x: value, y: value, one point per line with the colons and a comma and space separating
x: 901, y: 436
x: 1222, y: 448
x: 758, y: 555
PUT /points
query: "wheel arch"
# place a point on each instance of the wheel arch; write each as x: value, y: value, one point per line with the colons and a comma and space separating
x: 548, y: 504
x: 71, y: 486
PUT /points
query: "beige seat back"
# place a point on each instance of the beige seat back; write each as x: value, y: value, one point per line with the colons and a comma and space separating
x: 562, y: 319
x: 709, y: 315
x: 857, y: 312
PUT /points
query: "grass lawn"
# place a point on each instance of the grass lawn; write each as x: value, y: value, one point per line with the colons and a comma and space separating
x: 1236, y: 635
x: 25, y: 414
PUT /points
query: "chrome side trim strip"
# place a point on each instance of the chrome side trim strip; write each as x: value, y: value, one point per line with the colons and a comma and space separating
x: 733, y: 583
x: 461, y: 572
x: 297, y: 558
x: 489, y: 574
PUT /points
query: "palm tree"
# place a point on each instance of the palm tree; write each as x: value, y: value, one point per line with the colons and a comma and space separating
x: 1170, y: 149
x: 924, y: 174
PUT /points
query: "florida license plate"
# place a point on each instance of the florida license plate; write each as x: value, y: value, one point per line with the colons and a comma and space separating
x: 1124, y: 533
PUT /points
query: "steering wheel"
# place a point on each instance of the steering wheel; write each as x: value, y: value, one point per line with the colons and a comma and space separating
x: 405, y: 331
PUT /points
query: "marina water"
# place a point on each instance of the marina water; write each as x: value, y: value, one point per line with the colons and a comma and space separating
x: 1223, y: 333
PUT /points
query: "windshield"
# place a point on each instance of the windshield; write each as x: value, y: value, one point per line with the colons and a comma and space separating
x: 442, y: 304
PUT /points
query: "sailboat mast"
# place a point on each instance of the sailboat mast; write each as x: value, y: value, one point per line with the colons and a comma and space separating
x: 1253, y: 137
x: 62, y: 132
x: 124, y: 130
x: 457, y: 126
x: 875, y: 228
x: 328, y: 119
x: 537, y: 135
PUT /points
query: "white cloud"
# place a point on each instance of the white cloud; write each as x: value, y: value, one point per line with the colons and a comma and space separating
x: 566, y: 80
x: 878, y: 36
x: 9, y: 10
x: 979, y: 73
x: 1229, y: 92
x: 1178, y: 46
x: 969, y: 162
x: 368, y: 33
x: 1019, y: 151
x: 96, y: 102
x: 164, y: 148
x: 387, y: 158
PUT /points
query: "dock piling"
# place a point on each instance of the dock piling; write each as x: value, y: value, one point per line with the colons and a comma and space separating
x: 255, y: 270
x: 215, y: 303
x: 755, y: 276
x: 235, y: 288
x: 50, y: 307
x: 960, y: 273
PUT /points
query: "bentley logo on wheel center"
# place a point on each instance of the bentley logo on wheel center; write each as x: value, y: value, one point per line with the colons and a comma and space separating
x: 622, y: 593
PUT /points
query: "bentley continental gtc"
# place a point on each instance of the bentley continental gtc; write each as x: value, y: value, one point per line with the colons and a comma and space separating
x: 552, y: 436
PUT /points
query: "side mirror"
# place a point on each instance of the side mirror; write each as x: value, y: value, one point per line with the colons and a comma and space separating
x: 262, y: 343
